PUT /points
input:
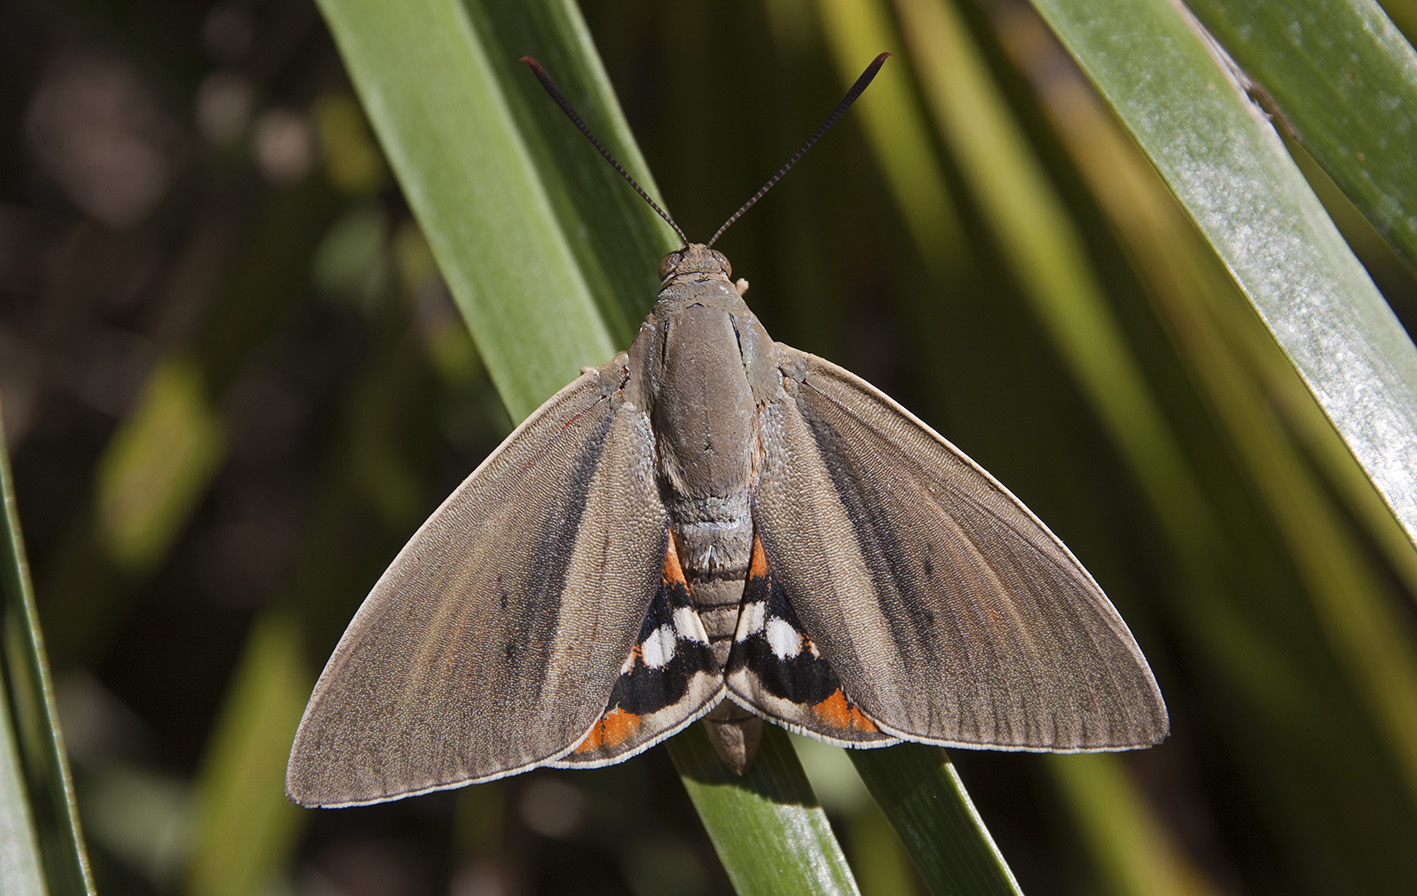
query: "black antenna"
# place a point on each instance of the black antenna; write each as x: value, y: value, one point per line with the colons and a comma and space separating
x: 846, y: 101
x: 570, y: 111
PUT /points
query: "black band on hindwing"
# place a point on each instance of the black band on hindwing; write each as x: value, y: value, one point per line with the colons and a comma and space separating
x: 804, y: 676
x: 664, y: 658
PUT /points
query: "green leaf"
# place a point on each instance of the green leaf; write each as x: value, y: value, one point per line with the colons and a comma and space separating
x: 1343, y: 80
x: 768, y: 829
x: 41, y: 846
x: 502, y: 247
x: 496, y: 239
x: 19, y: 842
x: 1231, y: 172
x: 240, y: 788
x: 922, y: 795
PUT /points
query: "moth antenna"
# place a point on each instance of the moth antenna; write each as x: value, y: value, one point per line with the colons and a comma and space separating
x: 565, y: 104
x: 846, y: 101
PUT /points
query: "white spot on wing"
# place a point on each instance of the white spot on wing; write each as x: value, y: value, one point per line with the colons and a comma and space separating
x: 752, y: 619
x: 786, y: 641
x: 658, y: 648
x: 689, y: 626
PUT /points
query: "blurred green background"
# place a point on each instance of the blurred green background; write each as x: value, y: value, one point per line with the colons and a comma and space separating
x: 233, y: 384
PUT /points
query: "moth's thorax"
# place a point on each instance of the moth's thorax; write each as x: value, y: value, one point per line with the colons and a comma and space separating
x: 704, y: 413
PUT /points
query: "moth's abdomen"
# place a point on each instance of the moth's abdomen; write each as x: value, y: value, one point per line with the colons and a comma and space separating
x: 716, y: 540
x: 714, y: 535
x: 705, y: 423
x: 716, y: 587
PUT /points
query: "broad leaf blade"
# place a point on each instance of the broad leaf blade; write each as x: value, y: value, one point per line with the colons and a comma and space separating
x: 767, y: 826
x: 1343, y: 80
x: 445, y: 121
x: 1230, y: 171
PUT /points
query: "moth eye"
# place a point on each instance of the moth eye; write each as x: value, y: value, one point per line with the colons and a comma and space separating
x: 722, y: 261
x: 669, y: 263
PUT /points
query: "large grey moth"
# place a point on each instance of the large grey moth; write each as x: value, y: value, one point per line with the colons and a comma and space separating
x: 716, y: 526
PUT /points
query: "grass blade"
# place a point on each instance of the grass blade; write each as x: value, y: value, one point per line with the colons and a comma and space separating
x: 1343, y: 80
x: 769, y: 830
x: 40, y: 820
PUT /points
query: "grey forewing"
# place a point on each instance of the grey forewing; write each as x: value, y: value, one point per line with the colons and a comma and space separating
x: 969, y: 622
x: 543, y: 561
x: 547, y: 575
x: 914, y: 627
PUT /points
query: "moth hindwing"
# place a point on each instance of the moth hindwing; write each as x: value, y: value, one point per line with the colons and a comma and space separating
x: 714, y: 525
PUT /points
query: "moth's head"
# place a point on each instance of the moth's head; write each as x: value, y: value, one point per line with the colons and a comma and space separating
x: 695, y: 259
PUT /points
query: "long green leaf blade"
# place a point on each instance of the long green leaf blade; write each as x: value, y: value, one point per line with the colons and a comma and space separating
x: 39, y: 824
x: 446, y: 124
x: 767, y: 826
x: 1344, y: 80
x: 1231, y: 173
x: 922, y: 795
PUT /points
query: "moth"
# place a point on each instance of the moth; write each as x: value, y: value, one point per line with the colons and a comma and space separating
x: 716, y: 526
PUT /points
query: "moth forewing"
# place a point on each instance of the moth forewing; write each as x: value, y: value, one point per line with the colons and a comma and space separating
x: 948, y: 611
x: 491, y: 643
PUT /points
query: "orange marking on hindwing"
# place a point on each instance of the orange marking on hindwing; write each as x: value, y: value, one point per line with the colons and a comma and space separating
x: 611, y: 730
x: 673, y: 573
x: 839, y: 712
x: 758, y: 564
x: 617, y: 726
